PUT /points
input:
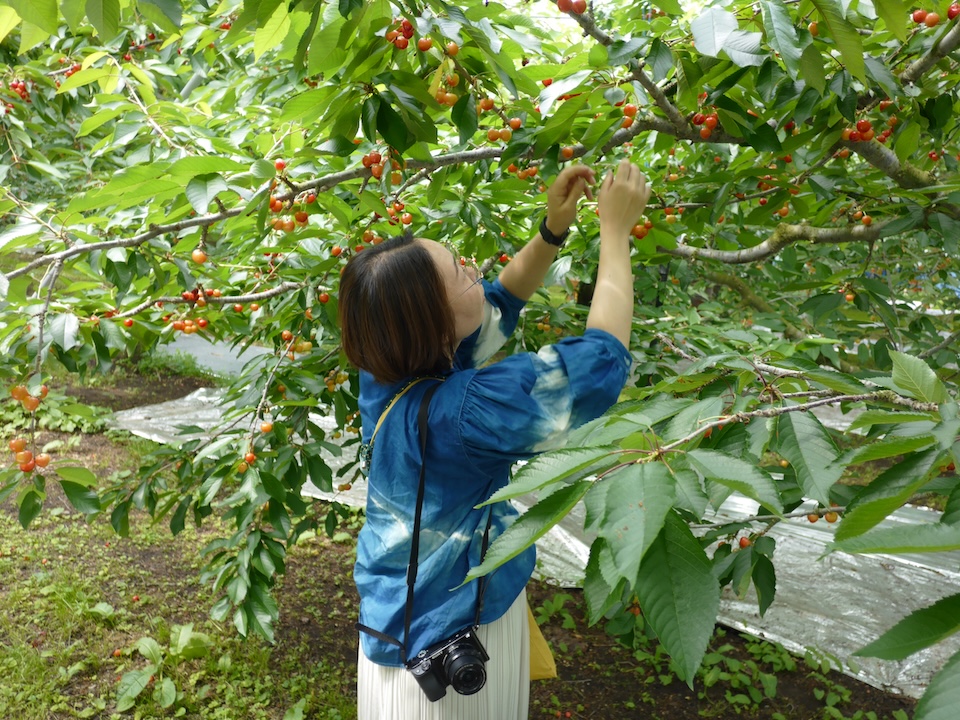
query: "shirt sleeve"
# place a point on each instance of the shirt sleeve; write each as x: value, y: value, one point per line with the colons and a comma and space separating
x: 501, y: 312
x: 529, y: 402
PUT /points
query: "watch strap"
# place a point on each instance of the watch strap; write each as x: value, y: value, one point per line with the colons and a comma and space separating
x: 549, y: 237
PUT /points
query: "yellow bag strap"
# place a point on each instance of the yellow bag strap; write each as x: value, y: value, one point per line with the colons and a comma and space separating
x: 393, y: 402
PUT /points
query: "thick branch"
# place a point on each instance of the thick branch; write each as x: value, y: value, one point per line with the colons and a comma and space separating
x: 886, y: 161
x: 783, y: 236
x: 663, y: 102
x: 940, y: 49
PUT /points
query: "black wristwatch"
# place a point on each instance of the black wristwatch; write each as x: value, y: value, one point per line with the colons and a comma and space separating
x: 549, y: 237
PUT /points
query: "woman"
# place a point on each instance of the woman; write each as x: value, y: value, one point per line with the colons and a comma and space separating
x: 409, y: 310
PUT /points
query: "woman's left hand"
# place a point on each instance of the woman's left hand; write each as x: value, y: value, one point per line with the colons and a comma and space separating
x: 571, y: 184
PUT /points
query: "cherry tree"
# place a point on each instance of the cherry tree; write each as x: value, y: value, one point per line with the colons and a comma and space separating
x: 171, y: 167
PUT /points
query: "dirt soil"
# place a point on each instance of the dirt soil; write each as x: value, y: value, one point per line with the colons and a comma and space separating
x: 598, y: 677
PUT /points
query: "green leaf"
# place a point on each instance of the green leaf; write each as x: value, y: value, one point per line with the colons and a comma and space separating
x: 273, y: 32
x: 679, y: 595
x: 104, y: 15
x: 565, y: 86
x: 166, y: 693
x: 894, y: 15
x: 782, y: 34
x: 620, y: 52
x: 205, y: 165
x: 130, y: 686
x: 811, y: 452
x: 320, y: 474
x: 262, y: 610
x: 464, y: 116
x: 711, y: 28
x: 636, y: 502
x: 951, y: 512
x: 8, y: 21
x: 660, y: 59
x: 737, y: 475
x: 296, y: 711
x: 150, y: 649
x: 30, y: 505
x: 391, y: 126
x: 170, y: 9
x: 558, y: 126
x: 888, y: 447
x: 920, y: 629
x: 202, y: 189
x: 889, y: 491
x: 744, y: 49
x: 42, y: 13
x: 552, y: 467
x: 915, y: 377
x: 78, y: 475
x: 932, y: 537
x: 907, y: 141
x: 186, y: 643
x: 764, y: 581
x: 942, y: 697
x: 529, y: 528
x: 845, y: 35
x: 888, y: 417
x: 64, y: 331
x: 82, y: 498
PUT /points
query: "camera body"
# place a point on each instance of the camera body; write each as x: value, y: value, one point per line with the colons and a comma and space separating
x: 457, y: 661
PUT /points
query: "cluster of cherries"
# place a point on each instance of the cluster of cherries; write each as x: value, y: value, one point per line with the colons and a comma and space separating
x: 401, y: 34
x: 577, y: 7
x: 300, y: 217
x: 932, y: 19
x: 20, y: 88
x: 28, y: 401
x: 25, y: 459
x: 706, y: 123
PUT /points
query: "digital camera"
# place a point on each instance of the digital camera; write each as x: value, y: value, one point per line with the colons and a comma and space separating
x: 457, y: 661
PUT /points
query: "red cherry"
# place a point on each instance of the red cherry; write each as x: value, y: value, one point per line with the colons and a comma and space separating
x: 564, y: 5
x: 324, y: 298
x: 919, y: 16
x: 424, y: 44
x: 931, y: 20
x: 579, y: 7
x: 745, y: 542
x: 953, y: 11
x: 128, y: 322
x: 864, y: 125
x: 280, y: 165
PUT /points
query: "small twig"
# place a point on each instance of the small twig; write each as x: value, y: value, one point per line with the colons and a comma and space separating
x: 773, y: 519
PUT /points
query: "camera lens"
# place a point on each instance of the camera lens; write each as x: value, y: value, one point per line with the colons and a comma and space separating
x: 465, y: 670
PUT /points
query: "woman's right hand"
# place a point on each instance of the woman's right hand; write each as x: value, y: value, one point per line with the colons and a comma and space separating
x: 623, y: 198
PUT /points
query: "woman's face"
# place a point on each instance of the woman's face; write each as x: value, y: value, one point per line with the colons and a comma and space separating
x: 464, y: 291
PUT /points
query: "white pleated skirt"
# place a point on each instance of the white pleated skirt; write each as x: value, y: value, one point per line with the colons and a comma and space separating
x: 388, y: 693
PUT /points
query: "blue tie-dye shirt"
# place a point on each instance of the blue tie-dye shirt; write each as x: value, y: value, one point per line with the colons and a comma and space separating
x: 481, y: 421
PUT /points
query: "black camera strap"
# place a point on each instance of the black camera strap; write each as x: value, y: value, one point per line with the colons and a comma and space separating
x: 412, y: 565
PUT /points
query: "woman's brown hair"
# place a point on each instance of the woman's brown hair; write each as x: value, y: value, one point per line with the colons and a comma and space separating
x: 395, y: 319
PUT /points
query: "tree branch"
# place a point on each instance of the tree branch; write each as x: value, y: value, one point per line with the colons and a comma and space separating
x: 783, y: 236
x: 886, y: 161
x: 942, y: 47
